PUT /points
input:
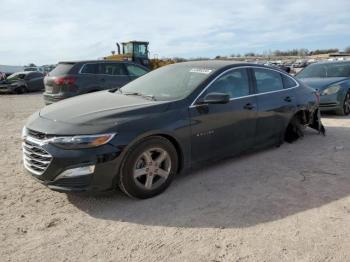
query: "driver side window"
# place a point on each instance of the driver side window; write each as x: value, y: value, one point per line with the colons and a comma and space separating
x: 235, y: 83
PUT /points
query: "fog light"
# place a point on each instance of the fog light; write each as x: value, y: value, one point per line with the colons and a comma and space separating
x: 78, y: 171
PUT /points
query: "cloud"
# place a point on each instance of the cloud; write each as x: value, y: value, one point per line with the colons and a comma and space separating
x: 50, y: 31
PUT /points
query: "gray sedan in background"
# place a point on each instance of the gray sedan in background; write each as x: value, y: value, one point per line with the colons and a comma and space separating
x: 332, y: 80
x: 23, y: 82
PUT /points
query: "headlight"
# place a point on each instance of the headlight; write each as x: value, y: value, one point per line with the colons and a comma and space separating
x: 331, y: 90
x: 77, y: 142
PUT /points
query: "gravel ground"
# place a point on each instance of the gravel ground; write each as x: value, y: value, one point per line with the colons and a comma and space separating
x: 282, y: 204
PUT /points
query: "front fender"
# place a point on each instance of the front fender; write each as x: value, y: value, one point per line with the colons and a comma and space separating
x: 345, y: 88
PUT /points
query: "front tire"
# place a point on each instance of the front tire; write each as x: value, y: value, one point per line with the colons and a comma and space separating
x: 148, y: 168
x: 21, y: 90
x: 345, y: 110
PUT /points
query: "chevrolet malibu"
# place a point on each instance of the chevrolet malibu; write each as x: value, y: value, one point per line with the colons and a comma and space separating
x: 140, y: 136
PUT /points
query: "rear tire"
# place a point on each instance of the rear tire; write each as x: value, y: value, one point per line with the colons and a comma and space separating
x: 295, y: 130
x: 148, y: 168
x: 345, y: 110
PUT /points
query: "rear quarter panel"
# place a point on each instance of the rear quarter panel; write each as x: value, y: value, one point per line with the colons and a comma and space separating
x: 345, y: 85
x: 306, y: 98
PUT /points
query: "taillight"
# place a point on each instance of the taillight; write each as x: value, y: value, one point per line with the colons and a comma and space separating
x: 68, y: 80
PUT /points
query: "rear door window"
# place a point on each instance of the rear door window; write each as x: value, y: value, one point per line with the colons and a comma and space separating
x: 89, y: 69
x: 61, y: 69
x: 29, y: 76
x: 267, y: 80
x: 135, y: 70
x: 113, y: 69
x: 288, y: 82
x: 34, y: 75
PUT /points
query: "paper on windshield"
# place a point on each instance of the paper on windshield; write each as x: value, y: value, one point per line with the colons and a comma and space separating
x: 201, y: 70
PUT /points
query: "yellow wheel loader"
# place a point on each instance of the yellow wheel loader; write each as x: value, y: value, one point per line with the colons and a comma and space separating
x: 137, y: 52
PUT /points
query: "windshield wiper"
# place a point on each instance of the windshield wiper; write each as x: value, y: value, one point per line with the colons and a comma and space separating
x: 139, y: 94
x: 113, y: 90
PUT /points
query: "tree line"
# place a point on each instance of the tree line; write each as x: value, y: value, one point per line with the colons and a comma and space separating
x: 293, y: 52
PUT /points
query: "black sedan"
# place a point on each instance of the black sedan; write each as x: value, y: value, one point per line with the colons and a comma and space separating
x: 140, y: 136
x: 22, y: 82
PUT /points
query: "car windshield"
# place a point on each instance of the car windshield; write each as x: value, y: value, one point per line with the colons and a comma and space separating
x: 326, y: 70
x: 16, y: 76
x: 168, y: 83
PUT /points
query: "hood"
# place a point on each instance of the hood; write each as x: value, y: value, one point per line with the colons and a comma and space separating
x: 99, y: 108
x: 320, y: 83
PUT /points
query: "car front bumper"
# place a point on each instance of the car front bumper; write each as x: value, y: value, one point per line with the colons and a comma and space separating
x: 105, y: 160
x: 330, y: 102
x: 7, y: 88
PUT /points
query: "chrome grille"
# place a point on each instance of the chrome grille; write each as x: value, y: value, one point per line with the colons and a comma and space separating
x: 37, y: 135
x: 35, y: 158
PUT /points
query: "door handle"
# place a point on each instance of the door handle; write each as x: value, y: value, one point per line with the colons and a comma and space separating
x: 288, y: 99
x: 103, y: 80
x: 248, y: 106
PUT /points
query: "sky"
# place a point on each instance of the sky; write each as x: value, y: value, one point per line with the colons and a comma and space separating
x: 48, y: 31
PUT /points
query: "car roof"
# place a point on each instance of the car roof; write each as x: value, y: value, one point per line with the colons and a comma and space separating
x: 220, y: 64
x: 81, y: 62
x: 93, y: 61
x: 213, y: 64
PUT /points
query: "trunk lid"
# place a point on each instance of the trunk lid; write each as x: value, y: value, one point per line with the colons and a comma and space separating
x: 61, y: 70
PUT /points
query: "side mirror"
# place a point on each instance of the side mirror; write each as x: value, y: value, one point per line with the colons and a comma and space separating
x: 215, y: 98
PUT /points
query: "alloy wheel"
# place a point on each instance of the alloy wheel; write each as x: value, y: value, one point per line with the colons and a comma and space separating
x: 152, y: 168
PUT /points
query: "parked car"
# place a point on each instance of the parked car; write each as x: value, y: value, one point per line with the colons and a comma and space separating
x: 300, y: 64
x: 22, y: 82
x: 332, y: 80
x: 34, y: 69
x: 70, y: 79
x: 139, y: 136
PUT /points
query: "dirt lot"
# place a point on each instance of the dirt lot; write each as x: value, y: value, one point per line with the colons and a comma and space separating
x: 282, y: 204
